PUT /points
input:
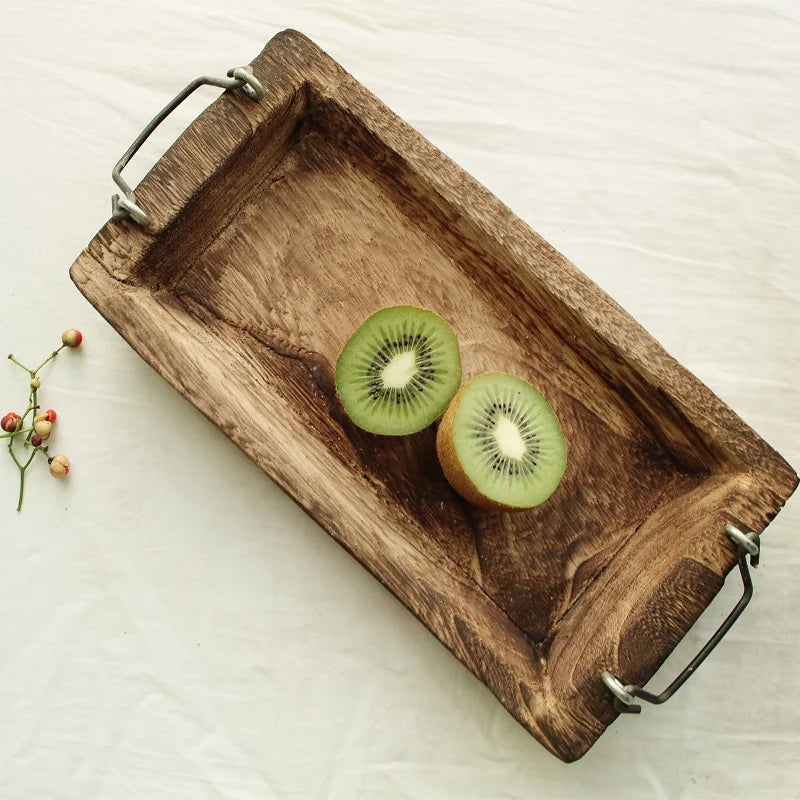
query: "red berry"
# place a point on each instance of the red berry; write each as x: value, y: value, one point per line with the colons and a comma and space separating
x: 9, y: 422
x: 50, y: 415
x: 72, y: 337
x: 36, y: 440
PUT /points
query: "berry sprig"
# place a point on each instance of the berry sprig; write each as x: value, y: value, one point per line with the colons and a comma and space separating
x: 35, y: 432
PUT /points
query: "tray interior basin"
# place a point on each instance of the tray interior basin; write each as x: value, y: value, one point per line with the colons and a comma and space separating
x: 330, y: 238
x: 312, y: 217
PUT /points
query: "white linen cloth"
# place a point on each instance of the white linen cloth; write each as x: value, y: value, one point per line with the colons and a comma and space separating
x: 172, y: 625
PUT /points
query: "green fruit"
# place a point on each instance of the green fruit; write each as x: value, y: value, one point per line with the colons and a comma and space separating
x: 500, y: 444
x: 399, y: 370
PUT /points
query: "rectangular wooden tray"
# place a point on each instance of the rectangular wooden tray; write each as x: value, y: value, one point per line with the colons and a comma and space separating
x: 276, y: 227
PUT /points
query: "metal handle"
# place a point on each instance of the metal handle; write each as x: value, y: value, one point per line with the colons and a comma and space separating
x: 127, y: 206
x: 625, y: 696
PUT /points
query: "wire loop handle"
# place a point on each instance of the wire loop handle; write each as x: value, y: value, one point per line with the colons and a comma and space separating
x: 747, y: 544
x: 127, y: 205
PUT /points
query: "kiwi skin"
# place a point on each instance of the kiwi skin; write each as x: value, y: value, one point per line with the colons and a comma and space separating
x: 451, y: 466
x: 456, y: 477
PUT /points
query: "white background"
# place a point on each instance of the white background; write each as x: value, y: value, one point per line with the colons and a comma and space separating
x: 172, y: 625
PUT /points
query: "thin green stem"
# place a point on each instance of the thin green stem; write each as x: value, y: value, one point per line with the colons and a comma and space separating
x: 21, y: 489
x: 13, y: 454
x: 34, y: 406
x: 49, y: 358
x: 19, y: 363
x: 22, y: 481
x: 15, y: 433
x: 22, y: 469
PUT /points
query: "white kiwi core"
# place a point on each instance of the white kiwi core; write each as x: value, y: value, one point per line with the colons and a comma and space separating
x: 508, y: 438
x: 400, y: 370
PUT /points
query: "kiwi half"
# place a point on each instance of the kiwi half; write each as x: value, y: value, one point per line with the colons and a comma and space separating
x: 399, y: 370
x: 500, y: 444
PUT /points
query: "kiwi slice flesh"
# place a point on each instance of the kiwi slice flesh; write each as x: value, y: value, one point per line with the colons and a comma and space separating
x: 500, y: 443
x: 399, y: 370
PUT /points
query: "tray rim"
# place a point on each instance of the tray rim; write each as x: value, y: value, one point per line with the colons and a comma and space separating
x: 103, y: 260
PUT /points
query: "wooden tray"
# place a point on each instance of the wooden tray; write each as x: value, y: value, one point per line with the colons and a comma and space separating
x: 276, y: 227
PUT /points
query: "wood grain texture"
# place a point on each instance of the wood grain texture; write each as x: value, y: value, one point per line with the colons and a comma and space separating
x: 278, y: 226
